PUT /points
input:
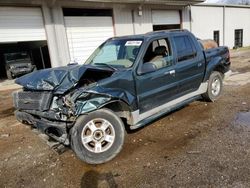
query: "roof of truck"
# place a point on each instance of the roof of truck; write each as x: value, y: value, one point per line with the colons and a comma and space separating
x: 151, y: 34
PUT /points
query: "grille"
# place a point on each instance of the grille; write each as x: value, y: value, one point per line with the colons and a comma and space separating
x: 29, y: 100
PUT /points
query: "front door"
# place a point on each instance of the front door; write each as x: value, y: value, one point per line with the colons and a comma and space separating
x: 159, y: 85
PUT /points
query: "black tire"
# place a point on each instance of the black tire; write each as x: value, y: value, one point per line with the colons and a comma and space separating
x: 82, y: 124
x: 9, y: 75
x: 211, y: 95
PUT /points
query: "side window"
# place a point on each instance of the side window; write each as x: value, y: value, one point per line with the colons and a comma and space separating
x: 185, y: 48
x: 217, y: 37
x: 159, y: 54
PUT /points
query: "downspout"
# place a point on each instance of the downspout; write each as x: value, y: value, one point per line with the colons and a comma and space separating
x: 190, y: 17
x: 133, y: 20
x: 181, y: 19
x: 224, y: 24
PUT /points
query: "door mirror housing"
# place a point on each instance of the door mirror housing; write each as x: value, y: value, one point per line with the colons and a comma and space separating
x: 147, y: 68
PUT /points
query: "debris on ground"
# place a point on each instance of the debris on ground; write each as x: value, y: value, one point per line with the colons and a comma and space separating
x: 4, y: 135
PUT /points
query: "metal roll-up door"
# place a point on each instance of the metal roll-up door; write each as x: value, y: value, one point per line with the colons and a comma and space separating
x: 86, y: 33
x: 18, y: 24
x: 166, y: 19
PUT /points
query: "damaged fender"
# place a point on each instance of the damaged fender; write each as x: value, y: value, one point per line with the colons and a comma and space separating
x: 99, y: 97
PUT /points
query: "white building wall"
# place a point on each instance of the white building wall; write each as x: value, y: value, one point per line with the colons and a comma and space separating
x: 237, y: 18
x: 205, y: 20
x: 186, y: 18
x: 127, y: 20
x: 143, y: 23
x: 123, y: 20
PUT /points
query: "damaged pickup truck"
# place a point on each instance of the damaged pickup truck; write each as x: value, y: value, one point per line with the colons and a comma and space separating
x: 125, y: 84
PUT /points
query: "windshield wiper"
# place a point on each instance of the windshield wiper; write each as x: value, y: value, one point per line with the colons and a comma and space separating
x: 110, y: 66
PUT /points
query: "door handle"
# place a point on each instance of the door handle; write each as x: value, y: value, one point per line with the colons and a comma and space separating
x: 172, y: 72
x: 199, y: 64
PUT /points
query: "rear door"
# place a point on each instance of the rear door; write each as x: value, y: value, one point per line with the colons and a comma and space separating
x: 160, y: 86
x: 190, y: 63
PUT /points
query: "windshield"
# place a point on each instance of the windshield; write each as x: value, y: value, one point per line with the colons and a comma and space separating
x: 116, y: 53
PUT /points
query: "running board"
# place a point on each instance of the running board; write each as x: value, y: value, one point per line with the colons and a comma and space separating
x: 163, y: 112
x: 140, y: 120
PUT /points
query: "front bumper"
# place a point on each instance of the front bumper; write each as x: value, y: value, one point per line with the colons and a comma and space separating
x: 21, y: 71
x: 54, y: 129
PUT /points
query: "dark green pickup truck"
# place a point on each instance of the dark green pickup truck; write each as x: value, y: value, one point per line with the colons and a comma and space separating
x: 125, y: 84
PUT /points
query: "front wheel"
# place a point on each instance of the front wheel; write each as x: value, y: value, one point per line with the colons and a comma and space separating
x: 215, y: 85
x: 98, y: 137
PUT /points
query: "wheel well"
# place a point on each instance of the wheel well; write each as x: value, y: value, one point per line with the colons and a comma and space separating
x: 220, y: 69
x: 122, y: 110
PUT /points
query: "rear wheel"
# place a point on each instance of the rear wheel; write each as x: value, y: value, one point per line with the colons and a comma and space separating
x: 215, y: 85
x: 98, y: 137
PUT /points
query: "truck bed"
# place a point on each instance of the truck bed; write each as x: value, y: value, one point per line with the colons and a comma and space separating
x: 216, y: 53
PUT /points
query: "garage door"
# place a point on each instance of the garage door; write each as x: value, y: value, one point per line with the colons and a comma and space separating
x: 86, y: 33
x: 19, y: 24
x: 166, y: 19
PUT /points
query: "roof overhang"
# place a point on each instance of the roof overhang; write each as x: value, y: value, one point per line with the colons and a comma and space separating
x: 223, y: 5
x: 153, y: 2
x: 179, y: 3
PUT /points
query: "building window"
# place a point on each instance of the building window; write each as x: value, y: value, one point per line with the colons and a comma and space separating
x: 217, y: 37
x: 238, y: 38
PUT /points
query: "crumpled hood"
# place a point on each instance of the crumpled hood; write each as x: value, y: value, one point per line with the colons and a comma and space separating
x: 59, y: 79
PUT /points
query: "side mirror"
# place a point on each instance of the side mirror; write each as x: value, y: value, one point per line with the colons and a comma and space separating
x: 74, y: 62
x: 147, y: 68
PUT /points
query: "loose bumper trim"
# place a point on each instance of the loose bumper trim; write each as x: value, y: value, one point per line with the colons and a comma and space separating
x: 56, y: 130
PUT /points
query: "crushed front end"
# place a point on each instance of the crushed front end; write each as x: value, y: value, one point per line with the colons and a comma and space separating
x: 38, y: 109
x: 52, y: 99
x: 54, y: 115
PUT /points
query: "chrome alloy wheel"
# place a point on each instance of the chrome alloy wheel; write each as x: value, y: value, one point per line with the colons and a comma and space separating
x: 98, y: 135
x: 216, y: 86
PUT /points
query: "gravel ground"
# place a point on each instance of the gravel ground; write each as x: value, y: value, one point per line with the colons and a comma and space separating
x: 200, y: 145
